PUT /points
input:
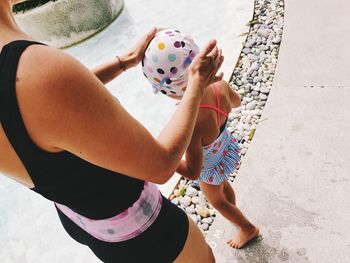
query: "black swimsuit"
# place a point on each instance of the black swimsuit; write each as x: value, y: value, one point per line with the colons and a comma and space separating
x: 85, y: 188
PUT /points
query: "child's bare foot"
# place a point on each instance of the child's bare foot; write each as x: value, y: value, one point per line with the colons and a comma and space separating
x: 243, y: 237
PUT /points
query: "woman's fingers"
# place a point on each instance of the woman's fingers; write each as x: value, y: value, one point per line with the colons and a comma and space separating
x: 152, y: 33
x: 144, y: 41
x: 208, y: 48
x: 160, y: 29
x: 218, y: 58
x: 214, y: 53
x: 218, y: 78
x: 148, y: 37
x: 208, y: 62
x: 218, y: 62
x: 221, y: 75
x: 137, y: 52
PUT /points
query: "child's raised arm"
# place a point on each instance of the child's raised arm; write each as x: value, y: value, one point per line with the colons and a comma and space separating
x: 191, y: 167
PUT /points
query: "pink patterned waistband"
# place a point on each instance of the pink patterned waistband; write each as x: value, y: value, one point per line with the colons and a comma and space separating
x: 126, y: 225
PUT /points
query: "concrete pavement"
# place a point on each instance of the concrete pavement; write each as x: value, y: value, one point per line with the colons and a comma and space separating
x: 295, y: 179
x: 315, y: 47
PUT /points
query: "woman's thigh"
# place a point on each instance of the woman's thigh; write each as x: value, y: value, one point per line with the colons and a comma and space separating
x: 196, y: 250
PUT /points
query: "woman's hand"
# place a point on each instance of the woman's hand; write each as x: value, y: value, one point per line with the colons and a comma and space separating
x: 204, y: 67
x: 111, y: 69
x: 136, y: 54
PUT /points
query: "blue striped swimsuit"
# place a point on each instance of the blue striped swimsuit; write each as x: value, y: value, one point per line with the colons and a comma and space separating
x: 221, y: 157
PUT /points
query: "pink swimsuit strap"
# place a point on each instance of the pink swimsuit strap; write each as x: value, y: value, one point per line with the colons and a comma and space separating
x: 217, y: 108
x: 126, y: 225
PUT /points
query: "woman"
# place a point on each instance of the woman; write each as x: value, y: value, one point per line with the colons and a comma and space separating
x: 65, y: 136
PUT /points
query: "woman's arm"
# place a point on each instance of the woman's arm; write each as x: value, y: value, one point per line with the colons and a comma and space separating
x: 113, y: 68
x: 67, y: 108
x: 108, y: 71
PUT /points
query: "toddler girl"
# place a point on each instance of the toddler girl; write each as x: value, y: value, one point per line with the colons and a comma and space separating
x: 213, y: 153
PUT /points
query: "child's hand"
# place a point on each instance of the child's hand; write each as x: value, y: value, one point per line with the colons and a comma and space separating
x: 206, y: 64
x: 136, y: 54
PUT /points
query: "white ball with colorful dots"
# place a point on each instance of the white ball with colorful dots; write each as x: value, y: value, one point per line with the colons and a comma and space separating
x: 166, y: 61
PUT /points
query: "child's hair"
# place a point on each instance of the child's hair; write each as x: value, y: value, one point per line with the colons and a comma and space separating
x: 166, y: 61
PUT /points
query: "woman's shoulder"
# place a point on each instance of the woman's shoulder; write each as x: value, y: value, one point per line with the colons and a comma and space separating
x: 45, y: 73
x: 52, y: 89
x: 43, y: 64
x: 48, y: 75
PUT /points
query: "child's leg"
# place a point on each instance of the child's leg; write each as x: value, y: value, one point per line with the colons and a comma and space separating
x: 216, y: 196
x: 229, y: 192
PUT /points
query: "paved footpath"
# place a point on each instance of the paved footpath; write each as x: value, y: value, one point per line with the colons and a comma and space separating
x: 315, y: 48
x: 295, y: 179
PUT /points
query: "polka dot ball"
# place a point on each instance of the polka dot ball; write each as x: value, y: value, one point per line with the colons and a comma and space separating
x: 167, y: 59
